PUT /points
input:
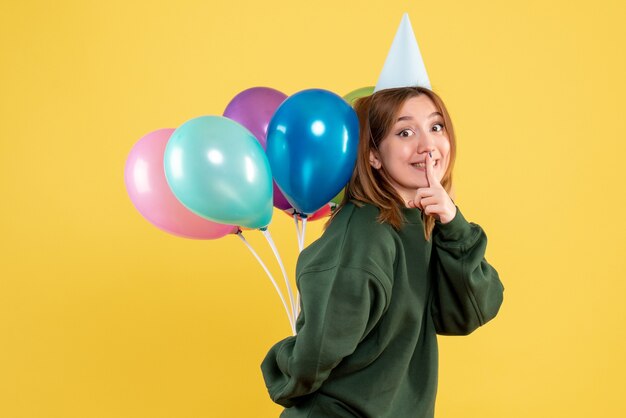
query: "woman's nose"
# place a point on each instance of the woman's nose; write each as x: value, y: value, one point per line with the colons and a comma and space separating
x: 425, y: 144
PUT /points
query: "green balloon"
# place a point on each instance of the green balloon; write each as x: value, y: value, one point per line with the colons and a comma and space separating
x: 351, y: 98
x: 337, y: 199
x: 357, y: 94
x: 218, y: 170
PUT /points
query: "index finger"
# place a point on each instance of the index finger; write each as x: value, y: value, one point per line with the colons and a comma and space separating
x: 430, y: 171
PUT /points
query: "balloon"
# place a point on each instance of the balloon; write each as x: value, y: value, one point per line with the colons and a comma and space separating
x: 357, y: 94
x: 148, y: 190
x: 320, y: 214
x: 218, y: 170
x: 280, y: 201
x: 253, y: 108
x: 311, y: 146
x: 337, y: 199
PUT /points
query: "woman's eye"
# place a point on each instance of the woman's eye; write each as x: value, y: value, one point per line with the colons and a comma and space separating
x: 438, y: 127
x: 405, y: 133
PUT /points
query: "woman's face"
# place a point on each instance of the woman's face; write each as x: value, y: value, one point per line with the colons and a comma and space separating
x: 418, y: 129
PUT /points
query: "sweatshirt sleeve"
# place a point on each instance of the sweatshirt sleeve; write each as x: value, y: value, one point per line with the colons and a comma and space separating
x: 467, y: 290
x: 340, y: 306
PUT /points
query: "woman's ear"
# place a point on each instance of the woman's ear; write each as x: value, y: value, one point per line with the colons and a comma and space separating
x: 374, y: 160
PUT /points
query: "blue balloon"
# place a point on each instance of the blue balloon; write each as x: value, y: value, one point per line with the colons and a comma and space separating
x: 311, y: 147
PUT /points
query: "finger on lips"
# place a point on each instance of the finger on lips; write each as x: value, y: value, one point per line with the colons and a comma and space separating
x: 430, y: 173
x: 426, y: 195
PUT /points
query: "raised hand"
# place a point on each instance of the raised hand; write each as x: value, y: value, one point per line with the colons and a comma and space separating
x: 434, y: 200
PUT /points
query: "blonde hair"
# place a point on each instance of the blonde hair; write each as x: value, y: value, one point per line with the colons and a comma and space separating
x: 377, y: 114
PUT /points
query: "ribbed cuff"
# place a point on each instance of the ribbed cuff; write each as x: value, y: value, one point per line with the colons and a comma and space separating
x: 455, y: 230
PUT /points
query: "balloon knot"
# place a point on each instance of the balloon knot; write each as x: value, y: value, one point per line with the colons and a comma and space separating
x: 300, y: 214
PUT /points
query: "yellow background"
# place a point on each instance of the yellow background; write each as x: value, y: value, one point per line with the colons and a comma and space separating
x: 104, y: 315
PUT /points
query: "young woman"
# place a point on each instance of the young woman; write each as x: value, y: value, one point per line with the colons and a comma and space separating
x: 397, y: 264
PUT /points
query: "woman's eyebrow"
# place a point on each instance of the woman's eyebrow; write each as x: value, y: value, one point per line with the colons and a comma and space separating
x: 401, y: 118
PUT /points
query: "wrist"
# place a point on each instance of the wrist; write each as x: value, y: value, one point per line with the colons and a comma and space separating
x: 457, y: 229
x: 448, y: 217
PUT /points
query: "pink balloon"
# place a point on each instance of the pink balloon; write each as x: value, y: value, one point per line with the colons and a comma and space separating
x: 148, y: 190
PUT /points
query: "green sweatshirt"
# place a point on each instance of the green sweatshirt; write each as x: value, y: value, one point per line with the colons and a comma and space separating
x: 373, y: 300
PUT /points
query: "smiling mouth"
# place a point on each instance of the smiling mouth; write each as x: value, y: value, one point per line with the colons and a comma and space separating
x: 423, y: 165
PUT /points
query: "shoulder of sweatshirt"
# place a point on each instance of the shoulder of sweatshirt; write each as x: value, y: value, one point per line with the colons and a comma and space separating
x: 354, y: 239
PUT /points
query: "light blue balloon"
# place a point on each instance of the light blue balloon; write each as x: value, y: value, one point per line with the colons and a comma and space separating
x: 312, y: 144
x: 218, y: 170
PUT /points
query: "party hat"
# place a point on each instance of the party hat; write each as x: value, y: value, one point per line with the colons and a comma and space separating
x: 404, y: 66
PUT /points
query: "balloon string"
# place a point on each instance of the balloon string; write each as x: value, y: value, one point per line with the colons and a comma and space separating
x: 300, y: 242
x: 268, y: 237
x: 254, y: 253
x: 300, y: 230
x: 295, y: 219
x: 301, y: 247
x: 303, y: 232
